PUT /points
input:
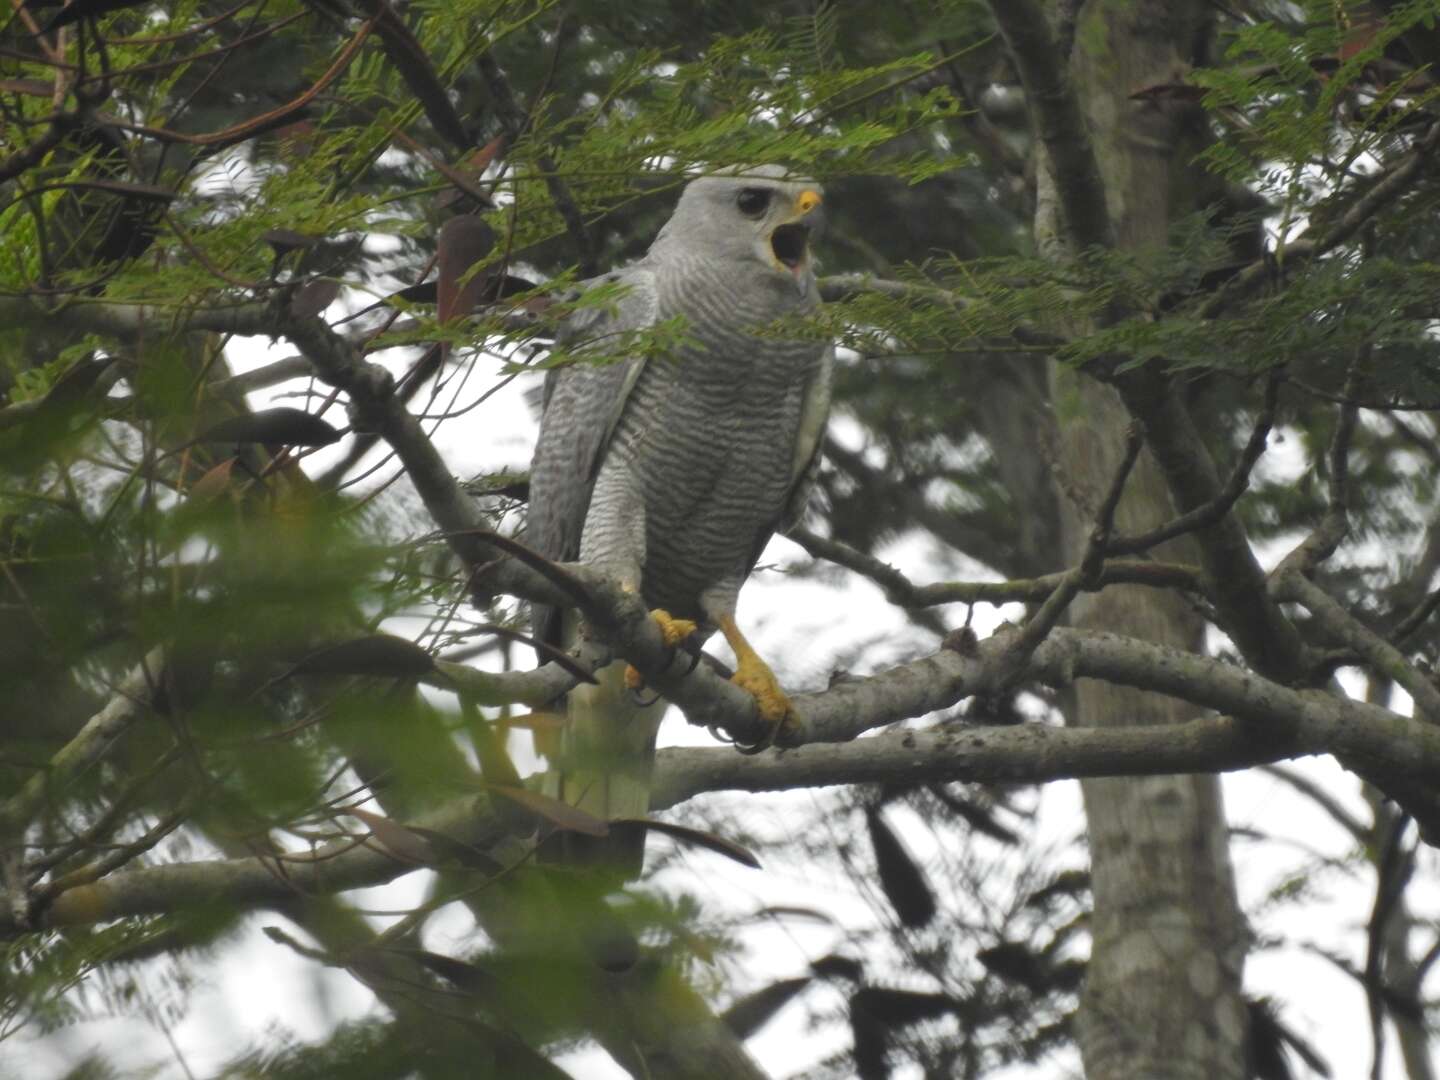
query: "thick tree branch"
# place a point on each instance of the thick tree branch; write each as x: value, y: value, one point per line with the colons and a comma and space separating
x: 1022, y: 754
x: 1218, y: 507
x: 537, y: 687
x: 849, y: 708
x: 1061, y: 126
x: 1033, y: 753
x: 258, y: 881
x: 1233, y: 577
x: 1298, y: 724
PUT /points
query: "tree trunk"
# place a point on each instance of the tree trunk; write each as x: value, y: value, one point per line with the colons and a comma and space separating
x: 1162, y: 998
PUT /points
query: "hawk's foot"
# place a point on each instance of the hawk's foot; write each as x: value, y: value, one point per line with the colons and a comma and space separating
x: 753, y: 675
x: 755, y: 678
x: 672, y: 630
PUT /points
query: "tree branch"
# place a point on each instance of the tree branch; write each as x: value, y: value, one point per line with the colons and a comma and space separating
x: 1294, y: 725
x: 1037, y: 628
x: 901, y: 591
x: 1383, y: 657
x: 1058, y: 120
x: 1218, y: 507
x: 516, y: 122
x: 93, y: 741
x: 1020, y: 754
x: 849, y: 708
x: 1233, y: 577
x: 1390, y: 185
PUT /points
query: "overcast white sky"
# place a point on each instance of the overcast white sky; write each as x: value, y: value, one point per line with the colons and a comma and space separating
x: 257, y: 987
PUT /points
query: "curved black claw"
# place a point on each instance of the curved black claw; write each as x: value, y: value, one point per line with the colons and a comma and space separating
x: 637, y: 694
x: 749, y: 749
x: 761, y: 745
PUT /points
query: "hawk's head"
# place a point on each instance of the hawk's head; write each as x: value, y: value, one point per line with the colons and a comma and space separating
x: 761, y: 213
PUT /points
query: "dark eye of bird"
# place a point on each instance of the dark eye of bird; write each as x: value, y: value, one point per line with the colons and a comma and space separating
x: 752, y: 201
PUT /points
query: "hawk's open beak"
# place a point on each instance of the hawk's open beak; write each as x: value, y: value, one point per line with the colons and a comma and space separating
x: 790, y: 242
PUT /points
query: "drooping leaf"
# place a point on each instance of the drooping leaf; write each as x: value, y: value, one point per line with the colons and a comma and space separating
x: 83, y: 9
x: 449, y: 850
x: 382, y: 655
x: 495, y: 763
x: 213, y: 483
x: 462, y: 176
x: 836, y: 966
x: 1268, y: 1040
x: 903, y: 882
x: 899, y: 1008
x: 686, y: 835
x: 790, y: 911
x: 1016, y: 963
x: 469, y: 977
x: 871, y: 1040
x: 464, y: 241
x: 287, y: 240
x: 399, y: 840
x: 314, y: 297
x: 1066, y: 884
x: 280, y: 426
x: 977, y: 815
x: 77, y: 381
x: 754, y: 1011
x: 559, y: 814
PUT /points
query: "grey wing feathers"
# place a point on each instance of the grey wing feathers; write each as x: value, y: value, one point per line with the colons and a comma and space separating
x: 582, y: 404
x: 805, y: 462
x: 808, y: 439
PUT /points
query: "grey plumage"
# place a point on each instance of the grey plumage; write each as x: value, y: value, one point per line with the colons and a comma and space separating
x: 671, y: 472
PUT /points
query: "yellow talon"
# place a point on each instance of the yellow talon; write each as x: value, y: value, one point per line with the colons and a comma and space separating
x: 754, y: 676
x: 672, y: 630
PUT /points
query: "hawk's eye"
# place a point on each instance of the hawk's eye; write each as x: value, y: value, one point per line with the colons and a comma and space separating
x: 752, y: 201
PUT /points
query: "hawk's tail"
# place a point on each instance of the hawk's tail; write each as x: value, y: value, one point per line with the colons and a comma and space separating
x: 604, y: 768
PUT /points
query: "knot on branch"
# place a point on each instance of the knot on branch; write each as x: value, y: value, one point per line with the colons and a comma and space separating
x: 370, y: 391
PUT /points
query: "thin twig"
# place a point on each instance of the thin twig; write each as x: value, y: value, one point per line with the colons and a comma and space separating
x: 1215, y: 509
x: 1322, y: 797
x: 1291, y: 584
x: 902, y: 592
x: 837, y: 287
x: 1038, y: 627
x: 1321, y: 544
x: 1390, y: 185
x: 516, y: 121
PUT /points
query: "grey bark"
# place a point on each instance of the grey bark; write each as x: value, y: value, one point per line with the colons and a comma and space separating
x: 1162, y: 996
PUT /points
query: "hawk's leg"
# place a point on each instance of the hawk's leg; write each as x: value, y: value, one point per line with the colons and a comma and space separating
x: 754, y: 676
x: 673, y: 631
